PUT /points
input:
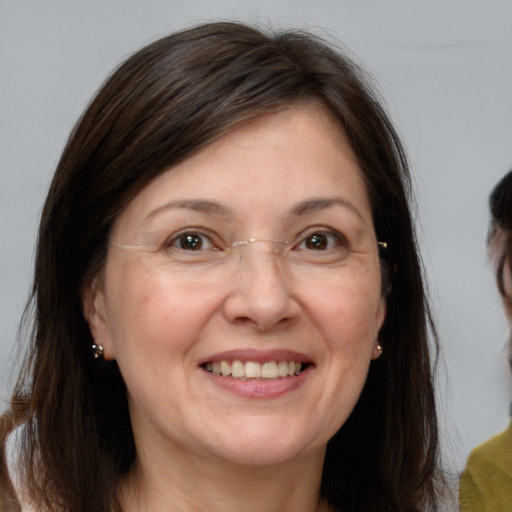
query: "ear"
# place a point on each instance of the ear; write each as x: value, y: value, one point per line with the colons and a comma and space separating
x: 95, y: 313
x: 381, y: 313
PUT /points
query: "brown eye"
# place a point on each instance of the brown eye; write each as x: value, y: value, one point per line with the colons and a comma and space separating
x: 316, y: 242
x: 191, y: 241
x: 321, y: 247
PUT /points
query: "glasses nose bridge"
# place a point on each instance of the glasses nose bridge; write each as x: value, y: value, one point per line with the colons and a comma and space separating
x: 272, y: 246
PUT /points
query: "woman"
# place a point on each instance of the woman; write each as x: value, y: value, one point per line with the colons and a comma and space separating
x: 228, y: 304
x: 486, y: 483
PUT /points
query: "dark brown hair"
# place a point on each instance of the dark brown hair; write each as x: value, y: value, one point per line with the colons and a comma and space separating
x: 158, y: 108
x: 500, y: 206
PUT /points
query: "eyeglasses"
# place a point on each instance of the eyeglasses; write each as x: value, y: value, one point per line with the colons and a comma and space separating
x: 197, y: 250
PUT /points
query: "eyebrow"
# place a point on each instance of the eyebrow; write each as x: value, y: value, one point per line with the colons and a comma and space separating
x: 197, y: 205
x: 213, y: 208
x: 322, y: 203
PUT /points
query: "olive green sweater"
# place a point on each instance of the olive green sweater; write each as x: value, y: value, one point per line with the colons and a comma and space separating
x: 486, y: 483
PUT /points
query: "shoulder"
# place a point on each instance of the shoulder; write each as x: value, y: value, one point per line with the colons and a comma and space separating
x: 8, y: 499
x: 486, y: 483
x: 495, y: 454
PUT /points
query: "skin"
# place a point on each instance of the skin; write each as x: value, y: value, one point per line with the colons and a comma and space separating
x: 258, y: 446
x: 507, y: 302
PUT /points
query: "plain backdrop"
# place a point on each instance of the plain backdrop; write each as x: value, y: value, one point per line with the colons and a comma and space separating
x: 445, y: 71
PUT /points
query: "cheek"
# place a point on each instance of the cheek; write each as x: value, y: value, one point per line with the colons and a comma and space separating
x: 349, y: 331
x: 349, y: 312
x: 154, y: 327
x: 348, y: 315
x: 149, y: 312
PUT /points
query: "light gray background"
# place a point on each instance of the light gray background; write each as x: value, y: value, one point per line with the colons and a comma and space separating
x: 445, y: 69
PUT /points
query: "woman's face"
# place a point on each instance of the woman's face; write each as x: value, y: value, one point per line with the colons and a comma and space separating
x: 294, y: 315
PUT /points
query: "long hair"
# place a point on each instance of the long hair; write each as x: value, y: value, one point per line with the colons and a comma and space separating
x: 161, y: 106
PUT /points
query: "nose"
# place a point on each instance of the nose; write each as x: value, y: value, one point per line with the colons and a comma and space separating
x: 261, y: 291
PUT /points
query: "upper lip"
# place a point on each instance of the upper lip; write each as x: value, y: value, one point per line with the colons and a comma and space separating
x: 260, y: 356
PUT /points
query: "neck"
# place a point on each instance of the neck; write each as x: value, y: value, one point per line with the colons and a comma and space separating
x: 188, y: 484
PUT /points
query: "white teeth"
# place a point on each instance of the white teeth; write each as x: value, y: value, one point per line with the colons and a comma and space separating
x: 282, y: 369
x: 225, y: 368
x: 254, y: 369
x: 269, y: 370
x: 238, y: 369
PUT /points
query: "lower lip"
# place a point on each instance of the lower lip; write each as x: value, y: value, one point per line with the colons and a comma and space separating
x: 259, y: 388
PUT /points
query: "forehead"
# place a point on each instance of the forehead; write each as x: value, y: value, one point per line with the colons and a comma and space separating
x: 262, y: 170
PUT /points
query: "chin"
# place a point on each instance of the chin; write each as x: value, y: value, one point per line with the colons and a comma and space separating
x: 266, y: 444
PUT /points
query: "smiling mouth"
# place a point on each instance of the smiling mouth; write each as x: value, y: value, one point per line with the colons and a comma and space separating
x: 248, y: 370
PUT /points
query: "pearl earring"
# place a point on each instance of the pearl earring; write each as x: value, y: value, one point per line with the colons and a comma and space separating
x: 97, y: 351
